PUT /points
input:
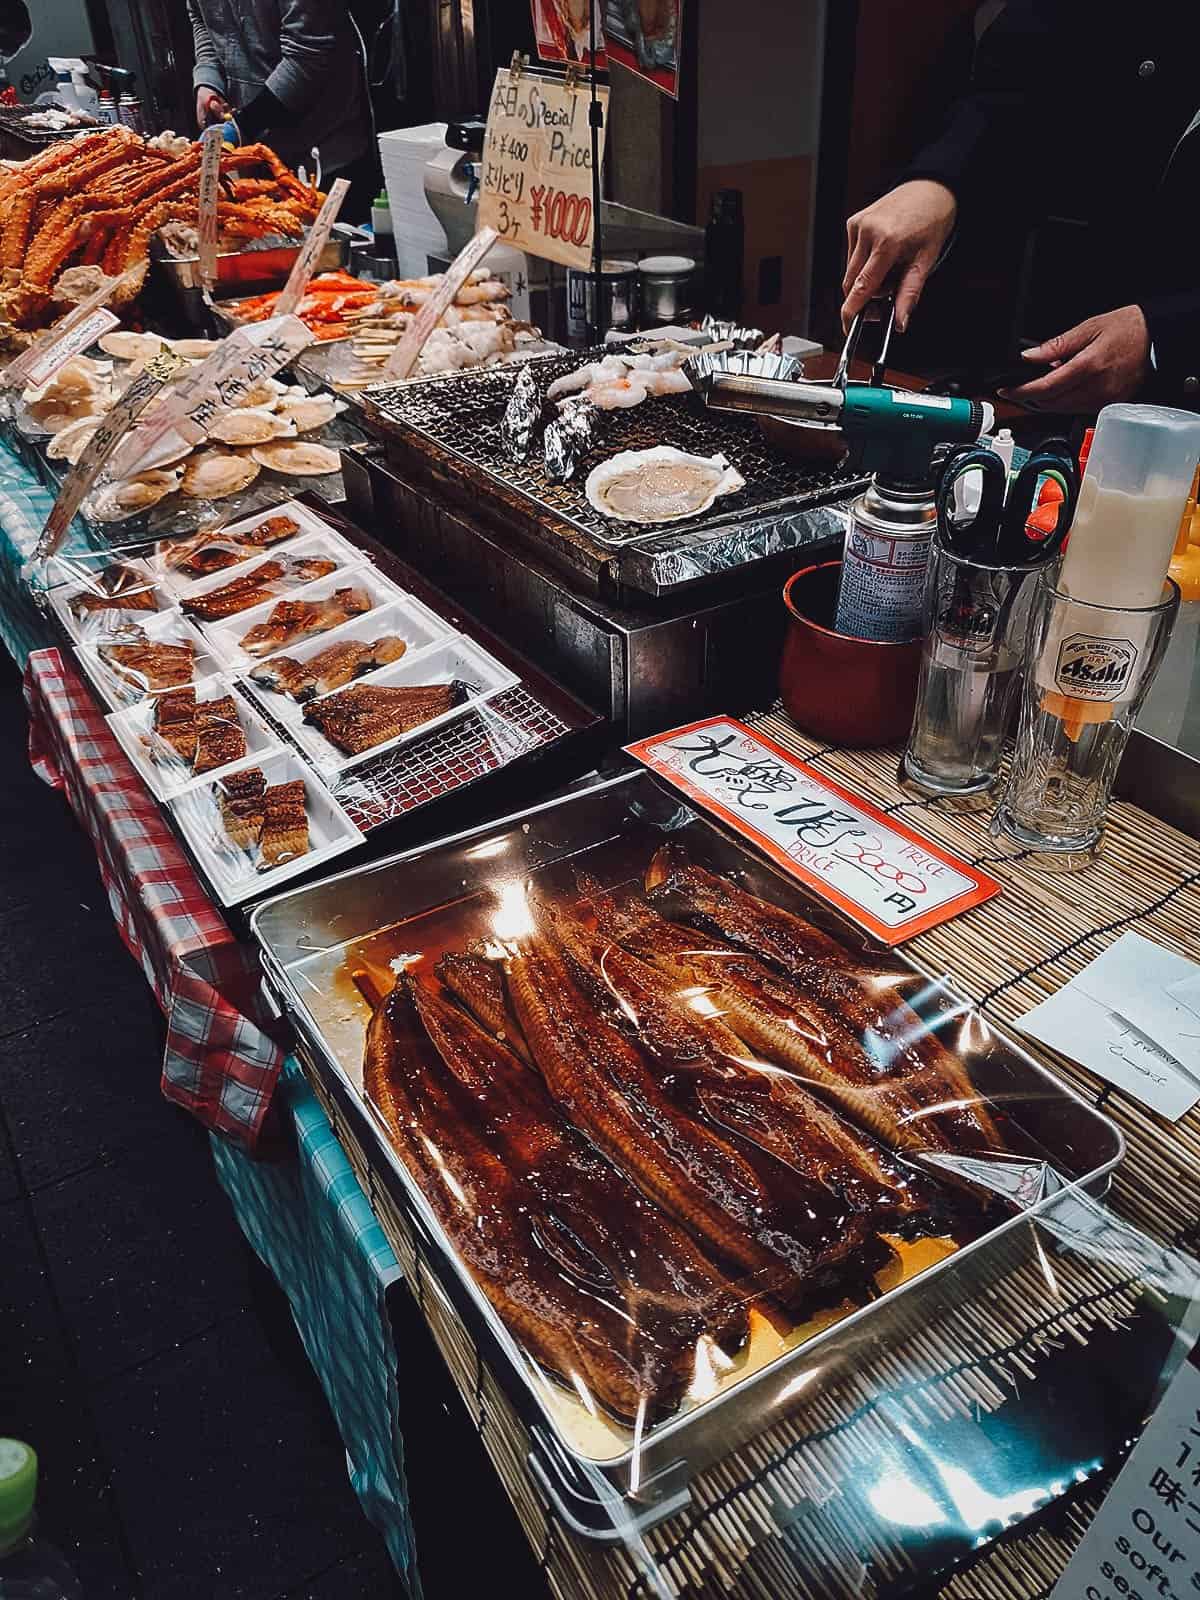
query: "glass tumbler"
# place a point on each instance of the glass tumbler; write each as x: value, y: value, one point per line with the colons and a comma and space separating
x: 1087, y: 670
x: 974, y: 623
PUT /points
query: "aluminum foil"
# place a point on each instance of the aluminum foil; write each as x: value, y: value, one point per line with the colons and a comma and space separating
x: 715, y: 550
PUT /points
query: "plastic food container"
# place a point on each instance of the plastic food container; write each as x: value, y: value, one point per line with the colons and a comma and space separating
x: 236, y: 872
x: 165, y: 772
x: 855, y: 692
x: 228, y: 538
x: 123, y: 684
x: 226, y: 636
x: 457, y: 659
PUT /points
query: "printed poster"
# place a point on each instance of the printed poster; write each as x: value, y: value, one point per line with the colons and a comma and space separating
x: 646, y: 37
x: 562, y: 29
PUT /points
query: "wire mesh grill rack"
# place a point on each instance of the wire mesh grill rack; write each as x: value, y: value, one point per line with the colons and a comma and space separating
x: 502, y: 730
x: 461, y: 412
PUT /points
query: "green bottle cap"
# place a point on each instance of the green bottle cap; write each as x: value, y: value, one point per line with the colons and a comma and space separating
x: 381, y: 199
x: 18, y: 1490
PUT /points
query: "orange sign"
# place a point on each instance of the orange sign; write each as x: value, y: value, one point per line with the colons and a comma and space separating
x: 886, y: 878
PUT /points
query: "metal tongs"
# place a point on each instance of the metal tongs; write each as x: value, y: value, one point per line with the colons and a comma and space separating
x: 796, y: 400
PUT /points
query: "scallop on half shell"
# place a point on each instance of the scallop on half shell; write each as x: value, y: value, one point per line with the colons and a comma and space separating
x: 116, y: 501
x: 250, y: 425
x: 124, y: 345
x: 213, y: 474
x: 311, y: 411
x: 659, y: 485
x: 69, y: 443
x: 298, y: 457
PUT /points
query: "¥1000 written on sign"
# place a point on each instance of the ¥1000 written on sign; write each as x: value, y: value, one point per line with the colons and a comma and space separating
x: 535, y: 179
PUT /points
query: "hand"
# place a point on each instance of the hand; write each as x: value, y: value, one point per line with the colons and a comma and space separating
x: 210, y: 107
x: 1104, y: 359
x: 904, y: 232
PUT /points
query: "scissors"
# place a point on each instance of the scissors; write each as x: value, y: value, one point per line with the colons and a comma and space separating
x: 998, y: 533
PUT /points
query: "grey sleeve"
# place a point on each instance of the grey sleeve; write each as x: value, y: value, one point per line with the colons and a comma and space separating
x: 309, y: 48
x: 207, y: 73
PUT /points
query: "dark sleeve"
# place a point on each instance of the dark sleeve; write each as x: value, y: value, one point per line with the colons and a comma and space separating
x: 1174, y: 324
x: 308, y: 49
x: 977, y: 147
x: 263, y: 112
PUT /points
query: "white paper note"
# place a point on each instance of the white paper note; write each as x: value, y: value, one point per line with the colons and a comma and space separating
x: 1117, y: 1018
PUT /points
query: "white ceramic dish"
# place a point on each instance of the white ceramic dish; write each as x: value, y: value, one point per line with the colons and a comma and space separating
x: 225, y: 637
x: 232, y: 871
x: 134, y: 731
x: 455, y: 658
x: 166, y: 627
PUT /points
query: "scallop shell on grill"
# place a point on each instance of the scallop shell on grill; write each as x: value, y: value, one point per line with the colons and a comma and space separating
x: 116, y: 501
x: 125, y: 345
x: 297, y: 457
x: 659, y: 485
x: 214, y: 474
x: 250, y: 425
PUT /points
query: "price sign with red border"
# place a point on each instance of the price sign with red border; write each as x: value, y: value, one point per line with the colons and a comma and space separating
x: 890, y: 880
x: 535, y: 174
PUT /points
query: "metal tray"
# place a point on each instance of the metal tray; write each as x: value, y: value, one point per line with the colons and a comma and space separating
x: 308, y: 940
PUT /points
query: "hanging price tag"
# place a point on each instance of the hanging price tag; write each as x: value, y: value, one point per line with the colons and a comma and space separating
x: 404, y: 357
x: 210, y: 188
x: 246, y: 357
x: 535, y: 183
x: 305, y: 263
x: 19, y: 372
x: 78, y: 482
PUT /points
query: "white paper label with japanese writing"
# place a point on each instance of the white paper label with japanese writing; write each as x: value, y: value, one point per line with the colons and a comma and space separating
x: 889, y: 880
x: 247, y: 357
x: 305, y: 263
x: 535, y: 174
x: 210, y: 176
x: 1145, y: 1539
x: 72, y: 344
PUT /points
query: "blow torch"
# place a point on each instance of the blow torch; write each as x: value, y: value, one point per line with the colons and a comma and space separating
x: 894, y: 434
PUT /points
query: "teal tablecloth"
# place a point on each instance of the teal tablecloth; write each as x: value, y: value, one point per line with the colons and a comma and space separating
x: 310, y: 1224
x: 306, y: 1217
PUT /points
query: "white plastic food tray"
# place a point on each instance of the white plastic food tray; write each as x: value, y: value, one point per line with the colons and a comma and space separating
x: 134, y: 731
x: 232, y: 871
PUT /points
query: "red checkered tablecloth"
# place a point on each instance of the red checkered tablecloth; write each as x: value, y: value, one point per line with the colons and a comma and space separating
x: 221, y: 1061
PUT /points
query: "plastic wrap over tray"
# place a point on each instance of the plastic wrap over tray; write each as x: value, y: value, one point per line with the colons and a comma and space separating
x: 699, y: 1166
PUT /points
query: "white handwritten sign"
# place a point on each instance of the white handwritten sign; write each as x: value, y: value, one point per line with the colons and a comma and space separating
x: 305, y: 263
x: 246, y: 357
x: 535, y: 184
x: 889, y: 880
x: 73, y: 343
x: 1145, y: 1539
x: 16, y: 374
x: 210, y: 181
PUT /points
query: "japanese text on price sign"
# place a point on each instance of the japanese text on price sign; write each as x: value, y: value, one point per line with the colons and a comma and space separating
x: 535, y: 179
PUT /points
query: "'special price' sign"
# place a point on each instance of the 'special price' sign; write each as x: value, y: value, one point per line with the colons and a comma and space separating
x: 890, y: 881
x: 535, y: 174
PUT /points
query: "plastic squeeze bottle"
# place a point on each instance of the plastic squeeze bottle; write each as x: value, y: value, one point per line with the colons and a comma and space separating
x: 30, y: 1569
x: 1131, y: 501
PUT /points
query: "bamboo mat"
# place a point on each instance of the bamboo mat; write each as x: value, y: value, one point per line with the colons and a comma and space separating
x: 780, y: 1517
x: 1024, y: 944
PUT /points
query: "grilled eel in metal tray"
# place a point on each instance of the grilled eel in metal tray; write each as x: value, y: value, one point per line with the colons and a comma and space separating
x: 598, y: 1286
x: 790, y: 1239
x: 860, y: 1041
